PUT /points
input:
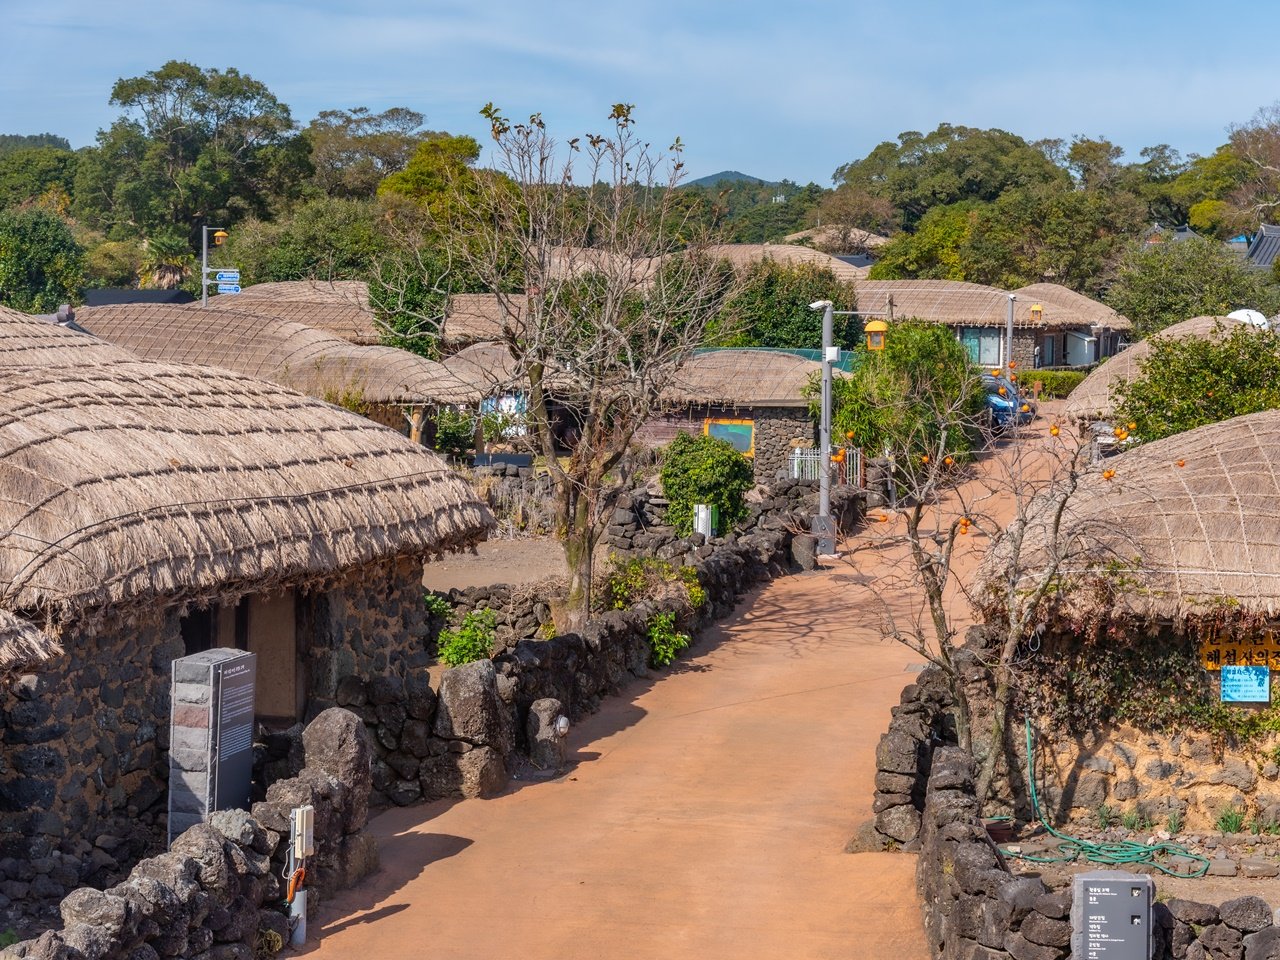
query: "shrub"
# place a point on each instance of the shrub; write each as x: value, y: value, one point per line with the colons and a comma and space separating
x: 1187, y: 382
x: 1105, y: 816
x: 473, y: 640
x: 455, y: 432
x: 706, y: 470
x: 436, y: 606
x: 1174, y: 823
x: 665, y: 642
x: 643, y: 578
x: 1057, y: 384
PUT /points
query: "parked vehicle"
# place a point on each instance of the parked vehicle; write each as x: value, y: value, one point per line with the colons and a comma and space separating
x: 1005, y: 402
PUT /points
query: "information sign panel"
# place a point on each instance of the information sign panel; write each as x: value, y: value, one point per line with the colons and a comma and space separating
x: 1252, y: 650
x: 228, y: 288
x: 1111, y: 915
x: 1246, y: 684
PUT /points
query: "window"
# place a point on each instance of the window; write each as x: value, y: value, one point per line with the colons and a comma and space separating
x: 983, y: 344
x: 740, y: 433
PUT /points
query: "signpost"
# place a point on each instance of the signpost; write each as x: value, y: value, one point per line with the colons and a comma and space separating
x: 228, y: 288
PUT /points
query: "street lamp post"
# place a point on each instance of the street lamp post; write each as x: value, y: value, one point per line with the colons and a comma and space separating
x: 219, y: 235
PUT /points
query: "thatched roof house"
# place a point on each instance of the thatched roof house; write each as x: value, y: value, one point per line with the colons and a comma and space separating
x: 153, y: 509
x: 745, y: 378
x: 287, y: 352
x: 1053, y: 326
x: 743, y: 255
x: 339, y: 307
x: 1091, y: 400
x: 1187, y: 528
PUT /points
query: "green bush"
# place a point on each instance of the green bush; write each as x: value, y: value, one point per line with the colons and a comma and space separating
x: 642, y: 578
x: 1230, y: 820
x: 471, y: 641
x: 701, y: 469
x: 455, y: 432
x: 1056, y: 384
x: 665, y: 642
x: 436, y: 606
x: 1188, y: 382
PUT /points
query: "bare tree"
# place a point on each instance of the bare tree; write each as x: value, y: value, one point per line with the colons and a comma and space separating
x: 603, y: 294
x: 1258, y: 143
x: 1017, y: 492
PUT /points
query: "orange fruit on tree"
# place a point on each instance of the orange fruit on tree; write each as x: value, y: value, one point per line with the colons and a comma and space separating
x: 1182, y: 463
x: 947, y: 461
x: 1108, y: 474
x: 1054, y: 430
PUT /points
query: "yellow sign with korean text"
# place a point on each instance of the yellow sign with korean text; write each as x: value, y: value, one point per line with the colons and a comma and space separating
x: 1254, y: 650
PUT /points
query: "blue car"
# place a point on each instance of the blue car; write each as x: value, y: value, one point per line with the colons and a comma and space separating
x: 1005, y: 409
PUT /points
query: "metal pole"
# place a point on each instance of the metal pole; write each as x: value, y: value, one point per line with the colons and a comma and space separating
x: 1008, y: 357
x: 204, y: 266
x: 824, y: 480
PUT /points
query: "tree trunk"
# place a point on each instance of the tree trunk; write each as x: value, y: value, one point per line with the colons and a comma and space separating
x: 999, y: 716
x: 578, y: 541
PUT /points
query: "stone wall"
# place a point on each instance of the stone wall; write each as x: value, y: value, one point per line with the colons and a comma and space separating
x: 84, y: 768
x: 82, y: 777
x: 974, y: 907
x: 370, y: 622
x: 217, y: 892
x: 639, y: 522
x: 777, y: 431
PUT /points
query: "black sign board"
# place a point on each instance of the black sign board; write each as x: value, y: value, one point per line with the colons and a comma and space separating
x: 1111, y: 916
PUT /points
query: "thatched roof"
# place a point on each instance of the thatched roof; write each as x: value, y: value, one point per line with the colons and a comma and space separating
x: 747, y: 254
x: 477, y: 317
x: 746, y: 378
x: 487, y: 367
x: 339, y: 292
x: 959, y: 304
x: 1091, y: 400
x: 1173, y: 542
x: 340, y: 307
x: 126, y: 481
x: 289, y: 353
x: 23, y: 645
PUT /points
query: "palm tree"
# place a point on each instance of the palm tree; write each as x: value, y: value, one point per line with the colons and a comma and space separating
x: 167, y: 262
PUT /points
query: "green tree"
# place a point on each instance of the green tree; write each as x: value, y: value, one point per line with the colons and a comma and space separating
x: 949, y: 165
x: 934, y: 250
x: 353, y: 151
x: 329, y: 238
x: 41, y: 264
x: 702, y: 469
x: 28, y: 174
x: 770, y: 307
x: 920, y: 395
x: 439, y: 176
x: 167, y: 261
x: 113, y: 263
x: 15, y: 141
x: 193, y: 146
x: 1169, y: 282
x: 1187, y: 382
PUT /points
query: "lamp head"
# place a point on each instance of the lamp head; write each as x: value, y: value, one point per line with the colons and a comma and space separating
x: 820, y: 305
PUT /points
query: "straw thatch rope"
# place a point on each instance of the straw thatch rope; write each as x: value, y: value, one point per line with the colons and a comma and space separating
x: 1170, y: 542
x: 23, y: 645
x: 287, y: 352
x: 123, y: 481
x: 960, y: 304
x: 1091, y: 400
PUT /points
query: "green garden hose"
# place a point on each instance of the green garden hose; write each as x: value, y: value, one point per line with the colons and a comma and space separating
x: 1120, y: 853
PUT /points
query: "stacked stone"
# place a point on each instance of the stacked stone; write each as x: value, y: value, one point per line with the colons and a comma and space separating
x: 519, y: 612
x: 214, y: 895
x: 975, y: 908
x: 904, y: 756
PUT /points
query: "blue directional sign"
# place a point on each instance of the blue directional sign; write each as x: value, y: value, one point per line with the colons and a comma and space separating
x: 227, y: 276
x: 228, y: 288
x: 1246, y: 684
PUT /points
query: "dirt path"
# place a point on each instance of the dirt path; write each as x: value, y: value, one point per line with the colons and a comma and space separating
x: 705, y: 816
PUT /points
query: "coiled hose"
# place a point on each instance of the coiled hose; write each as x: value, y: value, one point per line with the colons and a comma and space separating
x: 1117, y: 853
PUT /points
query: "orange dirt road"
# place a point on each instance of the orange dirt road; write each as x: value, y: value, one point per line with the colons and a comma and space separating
x: 707, y: 810
x: 705, y: 815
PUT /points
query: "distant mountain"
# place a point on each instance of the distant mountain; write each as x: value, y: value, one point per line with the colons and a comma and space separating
x: 731, y: 176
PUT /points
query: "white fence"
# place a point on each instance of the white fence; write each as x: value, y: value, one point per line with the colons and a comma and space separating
x: 807, y: 465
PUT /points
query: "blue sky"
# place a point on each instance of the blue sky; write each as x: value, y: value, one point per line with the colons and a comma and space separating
x: 774, y: 89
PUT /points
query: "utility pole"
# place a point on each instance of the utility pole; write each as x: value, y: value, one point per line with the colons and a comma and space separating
x: 219, y: 235
x: 1008, y: 354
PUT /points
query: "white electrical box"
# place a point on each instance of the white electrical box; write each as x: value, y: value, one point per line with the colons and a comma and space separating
x: 304, y: 832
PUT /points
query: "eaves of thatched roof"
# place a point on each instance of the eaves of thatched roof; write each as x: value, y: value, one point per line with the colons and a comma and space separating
x: 744, y: 378
x: 289, y: 353
x: 1187, y: 528
x: 125, y: 481
x: 23, y: 645
x: 959, y: 304
x: 1091, y: 399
